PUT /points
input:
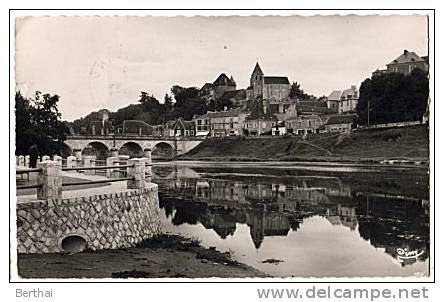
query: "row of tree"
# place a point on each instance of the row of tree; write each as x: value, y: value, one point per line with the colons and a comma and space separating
x: 393, y: 97
x: 183, y: 102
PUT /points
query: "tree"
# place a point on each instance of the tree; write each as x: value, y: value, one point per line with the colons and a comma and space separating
x: 297, y: 92
x: 168, y: 103
x: 188, y: 103
x: 393, y: 97
x: 149, y: 104
x: 129, y: 112
x: 38, y: 121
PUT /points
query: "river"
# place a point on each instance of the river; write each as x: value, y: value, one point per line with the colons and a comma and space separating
x: 302, y: 219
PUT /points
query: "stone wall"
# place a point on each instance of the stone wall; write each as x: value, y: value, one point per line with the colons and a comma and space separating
x: 106, y: 221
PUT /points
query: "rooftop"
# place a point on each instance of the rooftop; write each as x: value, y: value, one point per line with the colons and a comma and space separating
x: 335, y: 95
x: 257, y: 113
x: 407, y: 57
x: 341, y: 119
x: 257, y: 69
x: 314, y: 109
x: 276, y: 80
x: 223, y: 80
x: 211, y: 114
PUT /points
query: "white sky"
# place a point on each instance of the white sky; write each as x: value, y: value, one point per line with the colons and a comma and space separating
x: 104, y: 62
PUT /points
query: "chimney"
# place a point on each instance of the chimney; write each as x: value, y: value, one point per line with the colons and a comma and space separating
x: 405, y: 52
x: 353, y: 87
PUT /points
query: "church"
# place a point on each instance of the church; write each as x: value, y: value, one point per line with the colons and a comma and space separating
x: 273, y: 88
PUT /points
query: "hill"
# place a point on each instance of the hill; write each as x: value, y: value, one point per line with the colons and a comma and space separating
x: 410, y: 143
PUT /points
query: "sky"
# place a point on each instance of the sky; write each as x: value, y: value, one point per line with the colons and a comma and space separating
x: 105, y: 62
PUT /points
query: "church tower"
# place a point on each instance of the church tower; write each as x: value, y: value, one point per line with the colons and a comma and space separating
x: 257, y: 81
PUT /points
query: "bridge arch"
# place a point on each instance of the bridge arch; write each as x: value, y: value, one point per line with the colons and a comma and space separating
x: 63, y: 149
x: 132, y: 149
x: 97, y: 148
x: 163, y: 150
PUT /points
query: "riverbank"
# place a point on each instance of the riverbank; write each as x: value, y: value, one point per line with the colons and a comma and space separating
x: 167, y: 256
x: 408, y: 145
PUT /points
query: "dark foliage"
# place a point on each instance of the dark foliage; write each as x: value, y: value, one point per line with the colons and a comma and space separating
x: 149, y: 110
x: 38, y: 122
x: 393, y: 97
x: 297, y: 92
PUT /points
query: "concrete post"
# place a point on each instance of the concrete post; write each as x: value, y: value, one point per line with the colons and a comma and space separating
x: 123, y: 160
x: 148, y: 163
x: 88, y: 161
x: 27, y: 157
x: 21, y: 161
x: 111, y: 161
x: 51, y: 180
x: 78, y: 153
x: 138, y: 172
x: 114, y: 152
x: 45, y: 158
x: 57, y: 158
x: 71, y: 162
x: 147, y: 153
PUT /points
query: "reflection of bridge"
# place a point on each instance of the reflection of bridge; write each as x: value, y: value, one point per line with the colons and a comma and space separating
x: 133, y: 144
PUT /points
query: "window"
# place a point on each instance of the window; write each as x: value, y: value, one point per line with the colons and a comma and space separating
x: 411, y: 67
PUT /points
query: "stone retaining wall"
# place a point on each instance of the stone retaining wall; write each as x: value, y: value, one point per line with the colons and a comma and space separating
x: 106, y: 221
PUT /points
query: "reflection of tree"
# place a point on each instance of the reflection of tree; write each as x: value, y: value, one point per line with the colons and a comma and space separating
x: 167, y: 206
x: 393, y: 224
x: 273, y: 209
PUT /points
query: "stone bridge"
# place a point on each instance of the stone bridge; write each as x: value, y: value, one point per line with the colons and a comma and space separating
x: 164, y: 147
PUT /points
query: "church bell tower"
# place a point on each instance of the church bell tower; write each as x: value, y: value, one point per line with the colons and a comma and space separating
x: 257, y: 81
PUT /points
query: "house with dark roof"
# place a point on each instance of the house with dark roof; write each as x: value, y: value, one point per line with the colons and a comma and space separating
x: 259, y: 121
x: 305, y: 124
x: 182, y: 127
x: 405, y: 63
x: 341, y: 123
x: 268, y: 87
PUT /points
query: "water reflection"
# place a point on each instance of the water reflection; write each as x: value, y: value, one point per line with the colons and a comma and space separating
x: 277, y: 205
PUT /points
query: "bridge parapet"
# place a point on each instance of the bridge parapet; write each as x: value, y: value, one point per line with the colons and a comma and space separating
x: 113, y: 144
x: 54, y: 221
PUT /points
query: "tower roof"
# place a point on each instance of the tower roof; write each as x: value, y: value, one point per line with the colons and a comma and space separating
x: 257, y: 69
x: 223, y: 80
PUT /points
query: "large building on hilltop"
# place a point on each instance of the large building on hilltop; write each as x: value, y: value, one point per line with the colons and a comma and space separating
x: 215, y: 90
x: 268, y: 87
x: 405, y: 63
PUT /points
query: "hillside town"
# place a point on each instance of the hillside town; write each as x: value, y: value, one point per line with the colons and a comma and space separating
x: 265, y: 107
x: 223, y: 147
